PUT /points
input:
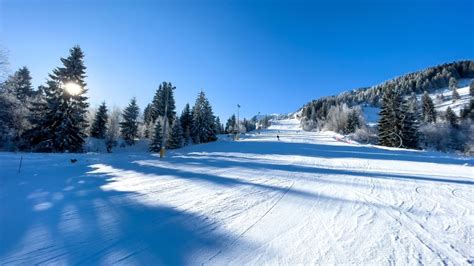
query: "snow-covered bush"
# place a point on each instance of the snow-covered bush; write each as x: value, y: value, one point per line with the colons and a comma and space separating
x: 365, y: 135
x: 343, y: 119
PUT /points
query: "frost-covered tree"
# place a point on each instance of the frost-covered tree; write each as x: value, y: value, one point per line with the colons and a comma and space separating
x: 20, y: 84
x: 156, y: 141
x: 203, y: 120
x: 428, y: 110
x: 16, y: 95
x: 176, y: 139
x: 453, y: 83
x: 113, y: 129
x: 99, y: 124
x: 186, y: 120
x: 129, y: 124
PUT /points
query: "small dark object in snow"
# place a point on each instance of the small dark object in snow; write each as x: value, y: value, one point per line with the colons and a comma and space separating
x: 73, y: 160
x: 278, y: 137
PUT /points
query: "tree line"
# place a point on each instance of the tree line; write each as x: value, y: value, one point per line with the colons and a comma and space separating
x: 54, y: 117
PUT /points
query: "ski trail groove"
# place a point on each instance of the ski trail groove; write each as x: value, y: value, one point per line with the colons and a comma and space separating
x: 251, y: 226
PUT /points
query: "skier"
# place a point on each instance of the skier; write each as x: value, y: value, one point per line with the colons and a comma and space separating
x: 278, y: 137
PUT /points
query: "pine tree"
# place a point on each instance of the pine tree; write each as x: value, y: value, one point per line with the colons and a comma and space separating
x: 455, y: 95
x: 20, y: 84
x: 155, y: 145
x: 186, y: 120
x: 231, y: 125
x: 163, y: 101
x: 203, y: 121
x: 428, y: 111
x: 61, y: 128
x: 99, y: 125
x: 409, y: 126
x: 389, y: 124
x: 218, y: 126
x: 129, y: 124
x: 176, y: 137
x: 451, y: 117
x: 353, y: 122
x: 16, y: 95
x: 453, y: 83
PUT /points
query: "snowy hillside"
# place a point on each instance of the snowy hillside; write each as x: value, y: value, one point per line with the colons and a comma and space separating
x: 441, y: 104
x: 306, y: 199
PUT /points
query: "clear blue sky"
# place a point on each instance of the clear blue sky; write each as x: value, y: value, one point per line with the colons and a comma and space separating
x: 269, y: 56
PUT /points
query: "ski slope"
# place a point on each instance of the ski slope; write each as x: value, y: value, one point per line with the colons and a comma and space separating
x: 306, y: 199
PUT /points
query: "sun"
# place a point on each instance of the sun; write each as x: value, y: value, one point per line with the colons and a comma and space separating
x: 72, y: 88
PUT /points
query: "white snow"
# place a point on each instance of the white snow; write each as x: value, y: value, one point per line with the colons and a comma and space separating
x: 306, y: 199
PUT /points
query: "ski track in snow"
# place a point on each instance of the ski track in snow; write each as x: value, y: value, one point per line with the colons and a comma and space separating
x: 307, y: 199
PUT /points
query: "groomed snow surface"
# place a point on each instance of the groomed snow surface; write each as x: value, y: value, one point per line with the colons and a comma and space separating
x: 306, y: 199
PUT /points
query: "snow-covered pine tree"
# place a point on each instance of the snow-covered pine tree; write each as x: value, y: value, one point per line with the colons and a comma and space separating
x: 20, y: 84
x: 218, y: 126
x: 203, y: 120
x: 99, y: 125
x: 451, y: 117
x: 428, y: 113
x: 16, y: 94
x: 455, y: 95
x: 164, y: 96
x: 409, y: 125
x: 62, y: 126
x: 389, y: 125
x: 129, y: 123
x: 155, y: 145
x: 353, y: 122
x: 176, y: 139
x: 231, y: 125
x: 186, y: 120
x: 453, y: 83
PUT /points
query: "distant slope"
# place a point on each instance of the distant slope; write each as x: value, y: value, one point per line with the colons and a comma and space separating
x: 432, y: 79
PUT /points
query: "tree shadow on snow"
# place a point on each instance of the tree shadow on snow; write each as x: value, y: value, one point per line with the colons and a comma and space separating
x: 45, y: 219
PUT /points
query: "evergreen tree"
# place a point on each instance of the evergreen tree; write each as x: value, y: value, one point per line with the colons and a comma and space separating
x: 451, y: 117
x: 16, y: 95
x: 409, y: 126
x: 353, y: 122
x: 218, y: 126
x: 147, y: 114
x: 389, y: 124
x: 453, y: 83
x: 155, y: 145
x: 20, y: 84
x: 186, y: 120
x: 99, y: 125
x: 176, y: 137
x: 455, y: 95
x: 231, y: 125
x: 61, y: 128
x: 129, y: 124
x: 203, y: 121
x: 148, y: 120
x: 163, y: 101
x: 428, y: 110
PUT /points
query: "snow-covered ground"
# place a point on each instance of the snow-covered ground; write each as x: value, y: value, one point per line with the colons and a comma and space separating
x: 304, y: 199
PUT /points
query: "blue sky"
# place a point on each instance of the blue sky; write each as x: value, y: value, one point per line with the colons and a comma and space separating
x: 268, y: 56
